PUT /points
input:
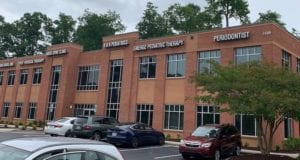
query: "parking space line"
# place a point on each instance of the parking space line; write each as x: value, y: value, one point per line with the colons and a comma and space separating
x: 125, y: 150
x: 162, y: 157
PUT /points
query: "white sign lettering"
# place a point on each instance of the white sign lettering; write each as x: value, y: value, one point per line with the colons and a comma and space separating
x: 31, y: 61
x: 56, y: 52
x: 144, y: 47
x: 8, y: 64
x: 231, y: 36
x: 115, y: 44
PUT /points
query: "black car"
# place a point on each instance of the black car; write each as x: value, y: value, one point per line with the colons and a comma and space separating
x: 134, y: 135
x: 94, y: 127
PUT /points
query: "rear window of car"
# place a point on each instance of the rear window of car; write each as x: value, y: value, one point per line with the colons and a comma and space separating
x: 81, y: 120
x: 11, y: 153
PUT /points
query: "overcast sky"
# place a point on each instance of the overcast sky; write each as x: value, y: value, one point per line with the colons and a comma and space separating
x: 131, y: 11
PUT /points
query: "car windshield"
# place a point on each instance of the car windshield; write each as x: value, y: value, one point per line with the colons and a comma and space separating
x: 11, y: 153
x: 210, y: 132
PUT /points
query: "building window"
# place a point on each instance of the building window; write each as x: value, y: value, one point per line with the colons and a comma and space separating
x: 11, y: 77
x: 246, y: 124
x: 18, y: 110
x: 24, y: 75
x: 88, y: 77
x: 114, y: 88
x: 288, y: 127
x: 247, y: 54
x: 176, y: 65
x: 53, y: 92
x: 286, y: 60
x: 84, y: 110
x: 147, y: 67
x: 37, y: 75
x: 32, y: 111
x: 205, y: 58
x: 5, y: 110
x: 208, y: 115
x: 174, y: 117
x: 298, y: 67
x: 1, y: 78
x: 144, y: 113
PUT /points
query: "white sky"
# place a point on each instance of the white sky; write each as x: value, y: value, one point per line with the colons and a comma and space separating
x: 131, y: 11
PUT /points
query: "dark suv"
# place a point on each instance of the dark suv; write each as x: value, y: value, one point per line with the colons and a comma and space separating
x: 94, y: 127
x: 212, y: 141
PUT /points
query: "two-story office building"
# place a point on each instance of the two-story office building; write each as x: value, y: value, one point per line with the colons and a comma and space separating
x: 142, y: 80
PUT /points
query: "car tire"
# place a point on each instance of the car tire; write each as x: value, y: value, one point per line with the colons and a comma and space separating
x: 217, y: 155
x: 97, y: 136
x: 161, y: 140
x: 237, y: 150
x: 185, y: 156
x: 68, y: 133
x: 134, y: 142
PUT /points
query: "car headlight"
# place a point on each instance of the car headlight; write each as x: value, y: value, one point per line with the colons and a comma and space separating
x: 206, y: 145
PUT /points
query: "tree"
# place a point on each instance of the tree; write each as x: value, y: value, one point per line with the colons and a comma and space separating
x: 270, y: 16
x: 296, y: 33
x: 237, y: 9
x: 5, y: 38
x: 189, y: 18
x: 93, y: 27
x: 30, y: 36
x: 62, y: 29
x: 264, y: 90
x: 152, y: 23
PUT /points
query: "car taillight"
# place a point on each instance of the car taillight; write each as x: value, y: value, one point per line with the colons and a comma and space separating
x: 58, y: 126
x: 87, y: 127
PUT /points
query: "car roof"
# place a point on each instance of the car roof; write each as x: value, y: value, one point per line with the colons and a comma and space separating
x: 35, y: 143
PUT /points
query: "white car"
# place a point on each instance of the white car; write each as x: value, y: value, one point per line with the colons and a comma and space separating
x: 61, y: 127
x: 57, y: 148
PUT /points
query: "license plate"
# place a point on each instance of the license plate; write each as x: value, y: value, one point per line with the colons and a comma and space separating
x: 114, y: 134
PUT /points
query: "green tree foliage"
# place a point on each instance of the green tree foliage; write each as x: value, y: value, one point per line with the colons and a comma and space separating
x: 266, y: 91
x: 62, y: 29
x: 30, y: 36
x: 296, y: 33
x: 5, y: 38
x: 237, y: 9
x: 153, y: 24
x: 270, y: 16
x: 189, y: 18
x: 92, y: 27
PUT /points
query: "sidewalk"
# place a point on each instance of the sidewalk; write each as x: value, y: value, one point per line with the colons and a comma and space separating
x: 292, y: 155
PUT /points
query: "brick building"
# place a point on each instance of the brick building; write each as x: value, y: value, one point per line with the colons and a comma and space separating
x: 142, y: 80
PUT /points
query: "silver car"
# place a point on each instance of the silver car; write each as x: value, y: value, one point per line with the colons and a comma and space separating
x: 61, y: 127
x: 57, y: 148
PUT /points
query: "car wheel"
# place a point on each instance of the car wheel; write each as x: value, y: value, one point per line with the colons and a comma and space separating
x: 134, y: 142
x: 237, y: 150
x: 185, y: 156
x: 97, y: 136
x: 68, y: 134
x: 217, y: 155
x: 161, y: 140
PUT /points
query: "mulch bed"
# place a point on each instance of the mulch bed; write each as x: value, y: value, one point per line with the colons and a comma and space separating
x: 260, y: 157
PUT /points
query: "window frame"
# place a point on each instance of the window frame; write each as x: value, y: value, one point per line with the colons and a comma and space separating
x: 177, y: 109
x: 203, y: 112
x: 148, y: 110
x: 240, y: 52
x: 241, y: 124
x: 175, y: 59
x: 88, y: 74
x: 5, y: 109
x: 32, y: 105
x: 205, y: 57
x: 23, y: 76
x: 1, y: 77
x: 11, y: 77
x: 147, y: 61
x: 18, y: 110
x: 37, y: 75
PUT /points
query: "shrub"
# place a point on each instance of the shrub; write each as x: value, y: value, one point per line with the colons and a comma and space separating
x: 16, y: 125
x: 29, y: 123
x: 168, y: 137
x: 5, y: 126
x: 33, y: 127
x: 246, y: 145
x: 277, y: 148
x: 292, y: 143
x: 20, y: 123
x: 178, y: 136
x: 24, y: 127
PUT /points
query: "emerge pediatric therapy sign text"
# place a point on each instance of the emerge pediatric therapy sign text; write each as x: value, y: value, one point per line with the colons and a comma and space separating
x: 231, y: 36
x: 158, y: 45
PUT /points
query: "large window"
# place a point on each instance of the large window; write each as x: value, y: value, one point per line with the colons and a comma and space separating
x: 174, y: 117
x: 176, y: 65
x: 298, y: 67
x: 288, y: 127
x: 11, y: 77
x: 84, y: 110
x: 205, y: 58
x: 286, y: 60
x: 32, y: 111
x: 247, y: 54
x: 53, y: 92
x: 246, y: 124
x: 88, y: 77
x: 144, y: 113
x: 5, y: 109
x: 24, y: 75
x: 208, y: 115
x: 1, y: 78
x: 37, y: 75
x: 147, y: 67
x: 18, y: 110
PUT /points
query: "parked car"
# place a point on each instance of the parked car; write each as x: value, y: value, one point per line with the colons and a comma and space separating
x: 212, y: 141
x: 57, y: 148
x: 61, y: 127
x: 135, y: 134
x: 94, y: 127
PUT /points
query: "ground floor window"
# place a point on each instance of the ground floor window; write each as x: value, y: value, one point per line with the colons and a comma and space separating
x: 144, y: 113
x: 5, y: 109
x: 18, y: 110
x: 112, y: 110
x: 207, y: 114
x: 31, y: 111
x: 84, y: 110
x: 174, y: 117
x: 288, y: 127
x: 246, y: 124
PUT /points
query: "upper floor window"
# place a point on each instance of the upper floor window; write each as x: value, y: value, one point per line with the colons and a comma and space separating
x: 1, y: 78
x: 24, y: 75
x: 147, y: 67
x: 11, y: 77
x: 176, y: 65
x: 88, y: 77
x: 286, y: 60
x: 247, y: 54
x: 37, y: 75
x: 205, y: 58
